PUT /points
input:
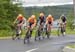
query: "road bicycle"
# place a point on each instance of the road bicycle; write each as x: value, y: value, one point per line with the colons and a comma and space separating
x: 61, y: 29
x: 17, y: 32
x: 40, y: 32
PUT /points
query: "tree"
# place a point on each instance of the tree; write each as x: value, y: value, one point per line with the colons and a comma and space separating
x: 8, y: 13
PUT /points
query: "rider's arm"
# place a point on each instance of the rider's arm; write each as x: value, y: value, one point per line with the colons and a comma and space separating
x: 35, y: 22
x: 28, y: 20
x: 52, y: 19
x: 24, y: 20
x: 46, y: 20
x: 65, y: 20
x: 15, y: 20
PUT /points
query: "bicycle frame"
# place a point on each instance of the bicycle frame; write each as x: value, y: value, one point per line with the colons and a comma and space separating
x: 40, y: 30
x: 61, y: 28
x: 28, y: 35
x: 17, y: 31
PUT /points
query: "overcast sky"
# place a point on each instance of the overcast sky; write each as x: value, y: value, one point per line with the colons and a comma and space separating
x: 45, y: 2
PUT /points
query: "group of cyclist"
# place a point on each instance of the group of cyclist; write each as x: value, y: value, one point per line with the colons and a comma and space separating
x: 32, y: 22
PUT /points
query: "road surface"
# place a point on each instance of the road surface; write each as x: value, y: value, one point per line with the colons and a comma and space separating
x: 54, y: 44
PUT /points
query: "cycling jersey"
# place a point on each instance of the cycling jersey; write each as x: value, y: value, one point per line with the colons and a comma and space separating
x: 31, y: 21
x: 20, y: 19
x: 41, y: 19
x: 63, y: 18
x: 49, y: 20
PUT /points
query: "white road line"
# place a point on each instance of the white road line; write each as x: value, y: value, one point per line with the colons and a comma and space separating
x: 32, y: 50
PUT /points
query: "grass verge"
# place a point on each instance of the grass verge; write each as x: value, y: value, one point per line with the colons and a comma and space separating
x: 8, y: 33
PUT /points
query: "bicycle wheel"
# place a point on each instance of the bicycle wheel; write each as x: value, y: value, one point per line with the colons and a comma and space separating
x: 43, y: 32
x: 26, y: 38
x: 58, y: 31
x: 13, y: 36
x: 62, y: 31
x: 48, y: 33
x: 37, y: 36
x: 16, y: 34
x: 13, y: 32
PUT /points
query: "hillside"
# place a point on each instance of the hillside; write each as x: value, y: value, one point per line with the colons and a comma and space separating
x: 56, y: 11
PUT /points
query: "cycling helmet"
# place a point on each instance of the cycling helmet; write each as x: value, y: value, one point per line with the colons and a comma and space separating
x: 41, y: 14
x: 33, y: 16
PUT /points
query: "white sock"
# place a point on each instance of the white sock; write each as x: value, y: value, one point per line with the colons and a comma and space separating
x: 64, y: 33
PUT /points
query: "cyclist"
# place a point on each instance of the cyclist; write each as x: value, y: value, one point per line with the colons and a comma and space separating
x: 64, y: 21
x: 20, y: 20
x: 41, y: 20
x: 49, y: 21
x: 32, y: 23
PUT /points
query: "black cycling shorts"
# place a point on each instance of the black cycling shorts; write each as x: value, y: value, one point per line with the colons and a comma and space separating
x: 49, y: 22
x: 30, y: 24
x: 41, y: 22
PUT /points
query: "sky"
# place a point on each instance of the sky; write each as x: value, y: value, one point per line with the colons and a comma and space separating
x: 46, y: 1
x: 27, y: 3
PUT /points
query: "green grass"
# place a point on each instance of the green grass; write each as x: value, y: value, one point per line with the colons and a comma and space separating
x: 71, y: 46
x: 69, y: 31
x: 6, y: 33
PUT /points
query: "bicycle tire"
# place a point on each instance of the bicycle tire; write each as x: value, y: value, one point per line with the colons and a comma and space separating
x: 37, y: 35
x: 27, y: 37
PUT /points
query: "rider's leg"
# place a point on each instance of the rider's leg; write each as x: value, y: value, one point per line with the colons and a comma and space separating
x: 46, y: 27
x: 30, y: 33
x: 19, y: 31
x: 47, y: 30
x: 31, y: 29
x: 49, y: 27
x: 64, y: 28
x: 41, y: 25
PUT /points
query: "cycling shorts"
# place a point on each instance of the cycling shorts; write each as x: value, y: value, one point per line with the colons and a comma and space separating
x: 49, y: 22
x: 41, y: 22
x: 30, y: 24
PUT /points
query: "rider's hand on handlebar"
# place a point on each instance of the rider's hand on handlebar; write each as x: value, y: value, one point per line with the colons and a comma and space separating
x: 19, y: 24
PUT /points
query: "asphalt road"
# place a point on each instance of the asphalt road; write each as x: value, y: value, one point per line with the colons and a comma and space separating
x: 54, y: 44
